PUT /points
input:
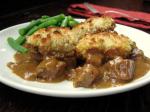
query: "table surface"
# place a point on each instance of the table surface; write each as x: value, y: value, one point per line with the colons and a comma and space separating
x: 12, y: 100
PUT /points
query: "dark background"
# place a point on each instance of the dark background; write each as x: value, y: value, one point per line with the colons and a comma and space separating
x: 11, y: 100
x: 12, y: 6
x: 25, y: 10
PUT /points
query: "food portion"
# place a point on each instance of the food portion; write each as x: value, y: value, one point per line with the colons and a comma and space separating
x: 62, y: 41
x: 110, y: 44
x: 45, y: 21
x: 90, y: 54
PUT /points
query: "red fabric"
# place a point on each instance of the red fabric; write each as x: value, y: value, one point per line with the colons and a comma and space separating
x: 143, y: 21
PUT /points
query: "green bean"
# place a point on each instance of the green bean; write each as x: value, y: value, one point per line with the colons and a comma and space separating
x: 45, y: 17
x: 23, y: 31
x: 20, y: 40
x: 58, y: 18
x: 43, y: 22
x: 42, y: 25
x: 64, y: 22
x: 32, y: 27
x: 72, y: 23
x: 48, y: 23
x: 31, y: 31
x: 16, y: 46
x: 70, y: 18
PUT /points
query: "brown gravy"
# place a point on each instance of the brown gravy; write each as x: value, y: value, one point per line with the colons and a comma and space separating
x: 25, y: 68
x: 141, y: 68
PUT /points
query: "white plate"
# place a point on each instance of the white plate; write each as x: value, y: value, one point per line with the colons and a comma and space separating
x: 65, y: 88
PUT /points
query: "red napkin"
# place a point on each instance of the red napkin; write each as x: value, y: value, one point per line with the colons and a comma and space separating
x: 129, y: 18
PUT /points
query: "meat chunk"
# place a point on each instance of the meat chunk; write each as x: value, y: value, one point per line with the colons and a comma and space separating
x: 70, y: 62
x: 137, y: 53
x: 94, y: 59
x: 85, y: 76
x: 50, y: 69
x: 120, y: 69
x: 32, y: 55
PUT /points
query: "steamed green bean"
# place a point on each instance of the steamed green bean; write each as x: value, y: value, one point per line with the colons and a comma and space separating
x: 43, y: 22
x: 64, y: 22
x: 16, y: 46
x: 23, y: 31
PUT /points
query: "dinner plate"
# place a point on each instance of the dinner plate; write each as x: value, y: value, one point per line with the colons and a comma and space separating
x: 65, y: 88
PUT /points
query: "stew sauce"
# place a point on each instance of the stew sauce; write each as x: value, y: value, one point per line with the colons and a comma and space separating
x: 25, y: 67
